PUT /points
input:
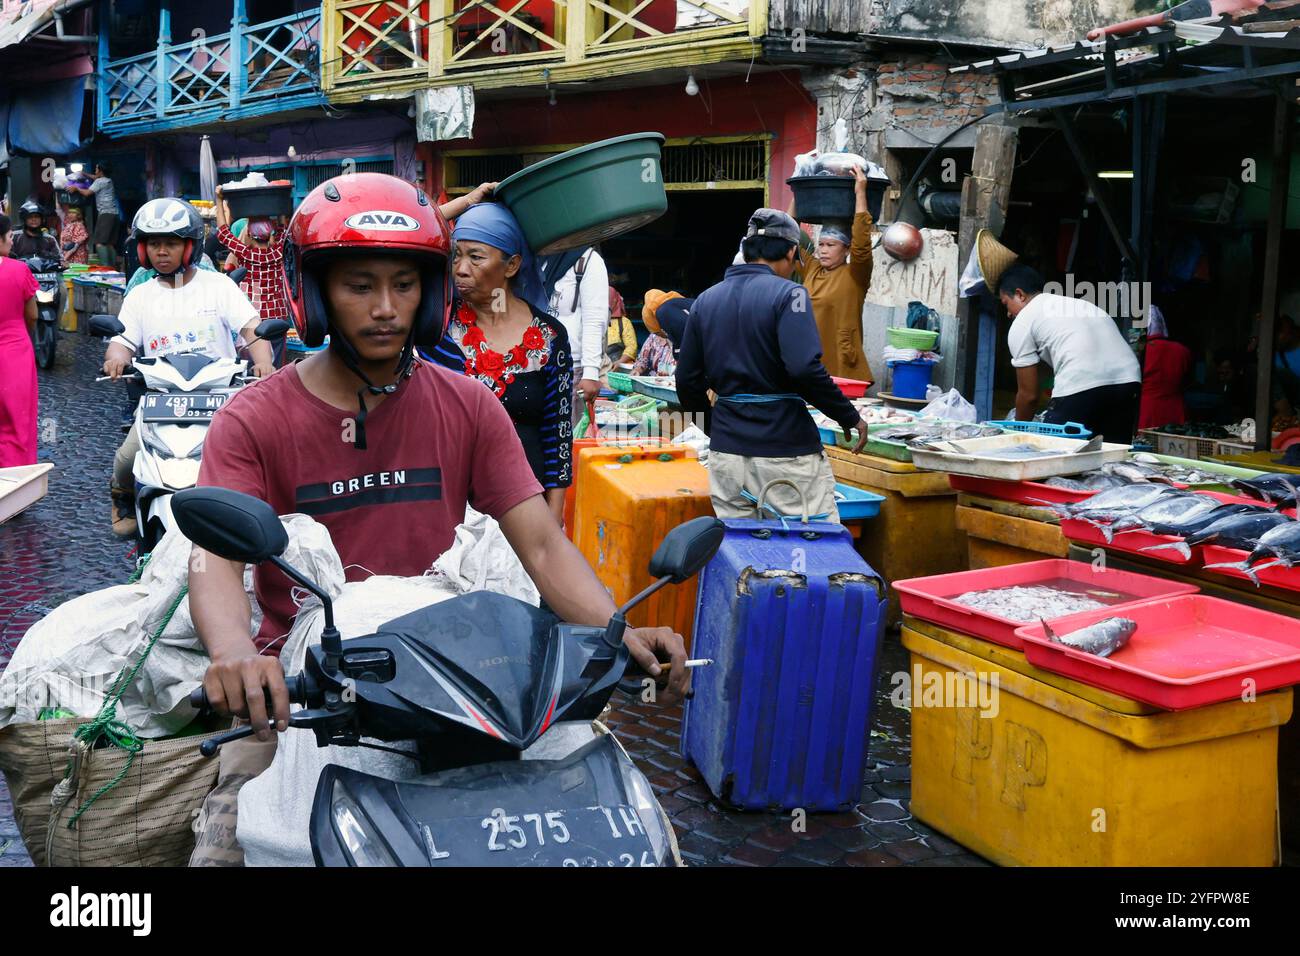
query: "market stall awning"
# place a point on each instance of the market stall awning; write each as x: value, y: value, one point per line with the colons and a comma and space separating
x: 30, y: 18
x: 1178, y: 57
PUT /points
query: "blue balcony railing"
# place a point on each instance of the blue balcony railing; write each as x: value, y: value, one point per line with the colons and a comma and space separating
x: 277, y: 68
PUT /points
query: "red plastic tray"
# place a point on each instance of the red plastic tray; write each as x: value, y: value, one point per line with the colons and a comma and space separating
x: 930, y: 598
x: 1277, y: 576
x: 851, y: 387
x: 1033, y: 493
x: 1188, y: 651
x: 1131, y: 541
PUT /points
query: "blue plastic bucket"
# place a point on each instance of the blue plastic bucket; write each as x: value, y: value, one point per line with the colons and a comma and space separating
x: 911, y: 378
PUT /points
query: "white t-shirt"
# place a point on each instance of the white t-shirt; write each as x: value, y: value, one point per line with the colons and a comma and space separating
x: 1081, y: 343
x: 585, y: 324
x: 205, y: 315
x: 105, y: 196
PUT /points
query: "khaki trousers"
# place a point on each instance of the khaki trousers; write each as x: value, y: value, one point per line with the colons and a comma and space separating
x: 730, y: 475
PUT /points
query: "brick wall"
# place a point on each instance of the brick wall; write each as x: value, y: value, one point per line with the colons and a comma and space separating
x: 922, y: 95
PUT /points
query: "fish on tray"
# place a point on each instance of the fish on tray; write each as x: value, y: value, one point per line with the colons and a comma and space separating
x: 1163, y: 510
x: 1280, y: 489
x: 1026, y: 603
x: 1108, y: 506
x: 1185, y: 524
x: 1281, y: 543
x: 1136, y: 472
x: 1089, y: 481
x: 923, y: 434
x: 1241, y: 531
x: 1102, y: 639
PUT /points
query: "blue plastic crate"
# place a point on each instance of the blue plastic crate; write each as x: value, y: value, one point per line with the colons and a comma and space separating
x: 1068, y: 430
x: 857, y: 503
x: 792, y: 618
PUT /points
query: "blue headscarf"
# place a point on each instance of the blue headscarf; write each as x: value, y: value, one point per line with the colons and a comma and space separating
x: 494, y: 224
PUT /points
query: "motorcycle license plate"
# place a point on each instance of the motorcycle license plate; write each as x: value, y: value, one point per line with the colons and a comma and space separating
x: 181, y: 408
x: 585, y: 836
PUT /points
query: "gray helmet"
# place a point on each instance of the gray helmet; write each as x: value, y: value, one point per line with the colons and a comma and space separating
x: 168, y: 216
x: 30, y: 208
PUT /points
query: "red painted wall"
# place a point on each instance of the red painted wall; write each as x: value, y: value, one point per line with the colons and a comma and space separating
x: 770, y: 102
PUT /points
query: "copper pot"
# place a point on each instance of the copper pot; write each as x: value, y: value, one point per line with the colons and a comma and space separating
x: 903, y: 241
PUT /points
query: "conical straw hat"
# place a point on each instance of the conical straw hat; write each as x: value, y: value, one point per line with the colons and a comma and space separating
x: 994, y: 258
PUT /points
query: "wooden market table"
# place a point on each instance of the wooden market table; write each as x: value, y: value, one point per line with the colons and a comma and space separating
x: 1006, y: 532
x: 916, y: 533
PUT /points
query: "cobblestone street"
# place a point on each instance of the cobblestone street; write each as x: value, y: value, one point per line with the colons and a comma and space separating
x: 62, y: 547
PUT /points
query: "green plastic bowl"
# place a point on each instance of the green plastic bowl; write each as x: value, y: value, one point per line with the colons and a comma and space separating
x: 588, y: 194
x: 919, y: 339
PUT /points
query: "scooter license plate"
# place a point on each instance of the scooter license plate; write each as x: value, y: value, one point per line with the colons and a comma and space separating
x: 179, y: 408
x: 585, y: 836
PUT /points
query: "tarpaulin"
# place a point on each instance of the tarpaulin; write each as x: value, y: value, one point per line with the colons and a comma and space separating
x: 46, y: 121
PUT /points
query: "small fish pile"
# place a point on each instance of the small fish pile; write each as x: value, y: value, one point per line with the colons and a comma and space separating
x: 1089, y: 481
x: 1025, y: 603
x: 1102, y: 639
x: 920, y: 434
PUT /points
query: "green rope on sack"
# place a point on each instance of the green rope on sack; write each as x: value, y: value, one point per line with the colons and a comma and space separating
x: 106, y: 725
x: 139, y: 568
x: 624, y: 459
x: 665, y: 457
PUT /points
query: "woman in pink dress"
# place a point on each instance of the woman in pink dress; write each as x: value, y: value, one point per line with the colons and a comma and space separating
x: 17, y: 359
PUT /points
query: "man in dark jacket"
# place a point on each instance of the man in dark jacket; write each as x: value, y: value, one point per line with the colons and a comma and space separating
x: 753, y: 340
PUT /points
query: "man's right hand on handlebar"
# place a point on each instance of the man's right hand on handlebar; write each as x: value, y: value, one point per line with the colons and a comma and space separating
x: 237, y: 683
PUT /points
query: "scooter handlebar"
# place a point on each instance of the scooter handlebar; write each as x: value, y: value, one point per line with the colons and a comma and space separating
x: 296, y: 683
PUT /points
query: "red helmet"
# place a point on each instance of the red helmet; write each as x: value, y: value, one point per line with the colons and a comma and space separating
x: 367, y: 212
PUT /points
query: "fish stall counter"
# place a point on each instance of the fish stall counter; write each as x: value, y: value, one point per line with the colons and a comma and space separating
x: 1047, y: 696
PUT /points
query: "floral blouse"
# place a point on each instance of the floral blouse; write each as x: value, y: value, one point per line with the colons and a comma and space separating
x: 533, y: 380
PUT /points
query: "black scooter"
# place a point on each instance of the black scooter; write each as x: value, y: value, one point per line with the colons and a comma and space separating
x: 50, y: 297
x: 474, y: 681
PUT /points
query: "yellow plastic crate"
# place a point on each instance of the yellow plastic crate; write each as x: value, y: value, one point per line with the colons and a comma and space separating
x: 1051, y: 779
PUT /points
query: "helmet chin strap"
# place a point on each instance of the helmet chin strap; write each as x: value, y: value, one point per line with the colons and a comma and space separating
x: 405, y: 366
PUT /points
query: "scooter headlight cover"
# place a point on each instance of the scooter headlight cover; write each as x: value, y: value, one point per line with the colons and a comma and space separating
x: 578, y: 811
x: 353, y: 829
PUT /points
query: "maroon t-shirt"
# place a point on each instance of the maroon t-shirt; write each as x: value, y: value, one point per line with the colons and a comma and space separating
x: 440, y: 441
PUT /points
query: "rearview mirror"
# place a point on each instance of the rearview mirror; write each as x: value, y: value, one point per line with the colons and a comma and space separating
x: 230, y: 524
x: 687, y: 549
x: 106, y: 326
x: 271, y: 329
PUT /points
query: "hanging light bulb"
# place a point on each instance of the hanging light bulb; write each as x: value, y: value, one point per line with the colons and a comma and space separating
x: 692, y: 88
x: 293, y: 153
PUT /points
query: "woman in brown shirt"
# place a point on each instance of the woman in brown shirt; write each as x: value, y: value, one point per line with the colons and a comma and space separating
x: 837, y: 278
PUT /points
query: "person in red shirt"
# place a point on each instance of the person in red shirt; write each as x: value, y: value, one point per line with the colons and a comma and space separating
x: 1165, y: 368
x: 383, y: 449
x: 263, y: 256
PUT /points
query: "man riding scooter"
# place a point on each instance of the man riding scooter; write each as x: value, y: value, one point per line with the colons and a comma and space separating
x: 33, y: 240
x: 383, y: 449
x: 181, y: 309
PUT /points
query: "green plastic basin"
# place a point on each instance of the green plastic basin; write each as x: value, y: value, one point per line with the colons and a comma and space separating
x: 588, y: 194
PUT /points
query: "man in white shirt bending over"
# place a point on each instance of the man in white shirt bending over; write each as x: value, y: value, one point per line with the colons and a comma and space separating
x: 1097, y: 379
x: 181, y: 309
x: 581, y: 303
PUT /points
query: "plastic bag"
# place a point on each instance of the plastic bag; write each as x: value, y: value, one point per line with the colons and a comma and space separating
x: 921, y: 316
x: 951, y: 407
x: 835, y: 164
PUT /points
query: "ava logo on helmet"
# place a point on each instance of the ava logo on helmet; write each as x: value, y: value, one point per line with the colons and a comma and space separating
x: 384, y: 220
